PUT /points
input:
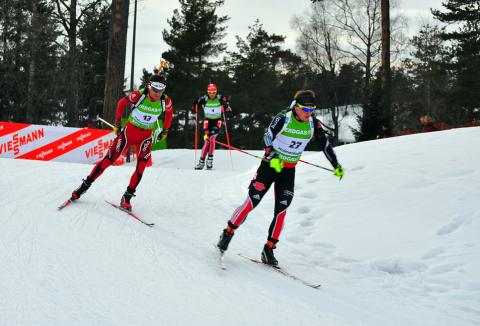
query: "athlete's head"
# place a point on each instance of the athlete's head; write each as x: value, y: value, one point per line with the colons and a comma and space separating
x: 156, y: 86
x: 304, y: 104
x: 212, y: 90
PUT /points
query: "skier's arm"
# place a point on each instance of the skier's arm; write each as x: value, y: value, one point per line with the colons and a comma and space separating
x: 200, y: 102
x: 273, y: 129
x: 324, y: 143
x: 226, y: 106
x: 168, y: 117
x: 125, y: 102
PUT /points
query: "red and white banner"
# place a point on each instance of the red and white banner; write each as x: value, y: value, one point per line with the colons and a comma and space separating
x: 49, y: 143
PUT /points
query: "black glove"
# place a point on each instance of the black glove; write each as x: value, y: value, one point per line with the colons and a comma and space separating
x: 269, y: 153
x: 215, y: 131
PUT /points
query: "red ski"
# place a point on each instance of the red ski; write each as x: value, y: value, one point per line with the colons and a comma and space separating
x: 65, y: 204
x: 132, y: 214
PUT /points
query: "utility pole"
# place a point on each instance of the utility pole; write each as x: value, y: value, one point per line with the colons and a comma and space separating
x: 133, y: 46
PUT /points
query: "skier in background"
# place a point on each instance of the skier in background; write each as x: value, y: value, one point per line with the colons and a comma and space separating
x: 284, y: 142
x: 148, y: 105
x: 214, y: 106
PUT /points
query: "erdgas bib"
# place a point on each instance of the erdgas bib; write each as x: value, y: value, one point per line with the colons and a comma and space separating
x: 145, y: 114
x: 291, y: 141
x: 213, y: 109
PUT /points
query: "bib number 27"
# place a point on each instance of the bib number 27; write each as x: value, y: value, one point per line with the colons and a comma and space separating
x: 295, y: 144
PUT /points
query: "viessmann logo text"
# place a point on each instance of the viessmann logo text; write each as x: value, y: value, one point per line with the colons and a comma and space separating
x: 98, y: 149
x: 18, y: 141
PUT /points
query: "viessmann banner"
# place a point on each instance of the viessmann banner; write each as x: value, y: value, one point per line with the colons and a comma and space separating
x: 49, y: 143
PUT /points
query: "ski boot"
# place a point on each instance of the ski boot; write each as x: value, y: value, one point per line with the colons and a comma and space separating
x: 267, y: 254
x: 224, y: 240
x: 125, y: 201
x: 200, y: 164
x: 77, y: 193
x: 209, y: 162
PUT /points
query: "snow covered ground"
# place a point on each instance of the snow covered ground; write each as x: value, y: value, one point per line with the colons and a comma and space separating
x: 394, y: 243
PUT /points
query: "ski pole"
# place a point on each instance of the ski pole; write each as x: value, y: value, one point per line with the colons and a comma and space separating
x: 105, y: 122
x: 196, y: 133
x: 238, y: 149
x: 261, y: 158
x: 315, y: 165
x: 228, y: 138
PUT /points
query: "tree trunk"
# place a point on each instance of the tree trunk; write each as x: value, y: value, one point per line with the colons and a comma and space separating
x: 117, y: 46
x: 32, y: 65
x: 386, y: 72
x: 72, y: 100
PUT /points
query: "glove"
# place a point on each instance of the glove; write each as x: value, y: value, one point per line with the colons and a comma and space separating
x: 269, y: 153
x: 206, y: 135
x: 117, y: 127
x: 163, y: 135
x: 276, y: 164
x: 339, y: 171
x: 215, y: 131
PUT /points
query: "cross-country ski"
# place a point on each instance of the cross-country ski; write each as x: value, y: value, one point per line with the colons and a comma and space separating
x: 132, y: 214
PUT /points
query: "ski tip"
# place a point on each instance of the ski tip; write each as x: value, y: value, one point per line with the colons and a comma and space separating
x: 65, y: 204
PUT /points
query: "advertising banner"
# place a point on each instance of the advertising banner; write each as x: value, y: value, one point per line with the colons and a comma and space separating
x: 51, y: 143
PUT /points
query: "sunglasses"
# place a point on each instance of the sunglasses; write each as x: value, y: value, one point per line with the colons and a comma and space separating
x: 158, y: 91
x: 307, y: 109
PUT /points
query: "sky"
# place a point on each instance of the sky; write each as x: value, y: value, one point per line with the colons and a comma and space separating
x: 394, y: 243
x: 276, y: 16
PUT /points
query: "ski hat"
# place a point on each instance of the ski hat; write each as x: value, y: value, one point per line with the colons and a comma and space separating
x: 212, y: 88
x: 305, y: 98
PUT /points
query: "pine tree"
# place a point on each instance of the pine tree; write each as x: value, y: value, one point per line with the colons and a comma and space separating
x: 195, y: 35
x: 465, y: 50
x: 265, y: 77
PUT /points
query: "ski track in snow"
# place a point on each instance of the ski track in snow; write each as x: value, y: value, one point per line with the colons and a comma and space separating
x: 394, y: 243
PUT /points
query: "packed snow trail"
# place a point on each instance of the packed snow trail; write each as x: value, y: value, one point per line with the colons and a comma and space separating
x: 394, y: 243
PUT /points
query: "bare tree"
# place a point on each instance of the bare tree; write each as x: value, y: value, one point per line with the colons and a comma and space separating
x: 69, y: 14
x: 319, y: 46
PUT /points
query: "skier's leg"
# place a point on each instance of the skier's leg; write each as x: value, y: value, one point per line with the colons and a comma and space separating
x: 119, y: 145
x: 257, y: 189
x: 115, y: 150
x: 144, y: 153
x: 284, y: 191
x: 284, y: 186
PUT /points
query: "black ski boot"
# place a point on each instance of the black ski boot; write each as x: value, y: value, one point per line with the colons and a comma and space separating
x: 125, y: 201
x: 209, y: 162
x: 200, y: 164
x: 224, y: 240
x: 268, y: 257
x: 77, y: 193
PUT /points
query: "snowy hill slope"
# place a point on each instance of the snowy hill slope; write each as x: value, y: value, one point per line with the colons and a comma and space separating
x: 394, y: 243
